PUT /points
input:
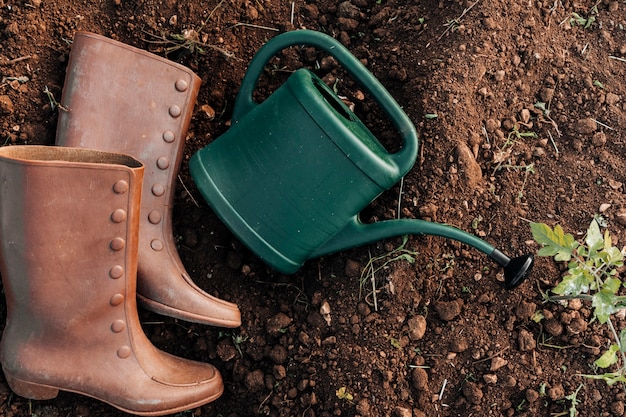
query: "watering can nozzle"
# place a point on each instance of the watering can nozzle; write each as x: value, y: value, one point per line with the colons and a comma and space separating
x: 515, y: 270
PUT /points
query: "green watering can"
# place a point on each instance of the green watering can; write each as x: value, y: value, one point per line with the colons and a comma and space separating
x: 291, y: 175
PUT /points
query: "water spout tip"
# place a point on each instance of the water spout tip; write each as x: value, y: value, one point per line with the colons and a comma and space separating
x: 517, y: 270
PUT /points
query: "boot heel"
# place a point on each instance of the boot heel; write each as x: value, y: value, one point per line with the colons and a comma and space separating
x: 31, y: 390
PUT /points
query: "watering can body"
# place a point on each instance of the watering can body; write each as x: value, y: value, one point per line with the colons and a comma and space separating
x: 291, y: 175
x: 295, y: 170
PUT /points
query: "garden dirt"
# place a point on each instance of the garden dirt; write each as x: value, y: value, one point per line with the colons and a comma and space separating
x: 520, y: 108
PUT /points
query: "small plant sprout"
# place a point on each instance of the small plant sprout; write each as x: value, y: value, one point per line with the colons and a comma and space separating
x: 591, y: 276
x: 53, y: 101
x: 378, y: 263
x: 343, y: 394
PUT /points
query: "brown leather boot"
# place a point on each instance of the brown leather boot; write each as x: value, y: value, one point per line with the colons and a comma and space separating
x: 122, y: 99
x: 69, y: 220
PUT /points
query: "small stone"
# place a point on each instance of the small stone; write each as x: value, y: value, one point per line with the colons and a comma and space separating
x: 509, y: 381
x: 604, y: 207
x: 278, y: 354
x: 208, y: 111
x: 525, y: 115
x: 598, y: 139
x: 363, y: 407
x: 417, y: 327
x: 497, y: 363
x: 6, y: 105
x: 586, y: 126
x: 526, y: 341
x: 490, y: 379
x: 539, y: 152
x: 525, y: 310
x: 499, y: 75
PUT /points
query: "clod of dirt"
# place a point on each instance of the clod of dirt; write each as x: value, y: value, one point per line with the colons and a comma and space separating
x: 586, y: 126
x: 363, y: 407
x: 417, y: 327
x: 598, y: 139
x: 472, y: 392
x: 419, y: 376
x: 526, y: 341
x: 6, y: 105
x: 621, y: 217
x: 402, y: 412
x: 617, y: 408
x: 556, y: 392
x: 448, y: 310
x: 459, y: 345
x: 278, y: 354
x: 531, y: 395
x: 225, y: 350
x: 468, y: 166
x: 277, y: 324
x: 553, y: 327
x: 525, y: 310
x: 255, y: 380
x: 352, y: 269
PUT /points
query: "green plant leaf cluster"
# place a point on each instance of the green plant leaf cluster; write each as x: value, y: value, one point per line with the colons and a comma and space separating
x: 591, y: 275
x: 591, y: 265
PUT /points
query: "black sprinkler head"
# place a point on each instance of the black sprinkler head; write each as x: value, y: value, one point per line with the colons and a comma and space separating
x: 516, y: 270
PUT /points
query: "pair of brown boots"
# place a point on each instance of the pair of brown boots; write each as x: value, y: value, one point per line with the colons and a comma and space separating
x: 86, y: 232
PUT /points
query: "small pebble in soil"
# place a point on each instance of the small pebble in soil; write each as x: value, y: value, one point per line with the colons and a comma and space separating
x: 526, y: 341
x: 490, y: 379
x: 417, y: 327
x: 277, y: 324
x: 497, y: 363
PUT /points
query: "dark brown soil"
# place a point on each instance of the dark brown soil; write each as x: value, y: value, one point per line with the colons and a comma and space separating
x: 444, y: 339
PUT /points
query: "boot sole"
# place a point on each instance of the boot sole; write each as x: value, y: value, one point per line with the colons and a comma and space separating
x: 35, y: 391
x: 184, y: 315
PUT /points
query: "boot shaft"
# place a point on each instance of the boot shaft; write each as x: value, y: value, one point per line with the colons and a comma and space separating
x: 68, y: 225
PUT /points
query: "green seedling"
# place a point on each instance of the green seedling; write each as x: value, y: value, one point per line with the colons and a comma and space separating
x: 395, y: 343
x: 377, y: 263
x: 343, y: 394
x: 598, y: 84
x: 585, y: 22
x: 571, y: 411
x: 236, y: 338
x: 591, y: 276
x: 430, y: 116
x: 53, y: 101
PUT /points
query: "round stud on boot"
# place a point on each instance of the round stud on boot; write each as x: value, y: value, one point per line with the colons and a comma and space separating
x: 68, y: 260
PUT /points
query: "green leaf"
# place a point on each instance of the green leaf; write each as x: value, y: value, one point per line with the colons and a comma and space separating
x: 603, y: 303
x: 612, y: 285
x: 555, y: 242
x: 608, y: 358
x: 577, y: 282
x: 594, y: 238
x: 610, y: 378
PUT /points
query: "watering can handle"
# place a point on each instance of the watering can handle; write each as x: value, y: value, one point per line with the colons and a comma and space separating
x: 244, y: 103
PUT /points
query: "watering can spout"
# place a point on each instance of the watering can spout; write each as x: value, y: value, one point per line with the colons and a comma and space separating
x: 356, y: 233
